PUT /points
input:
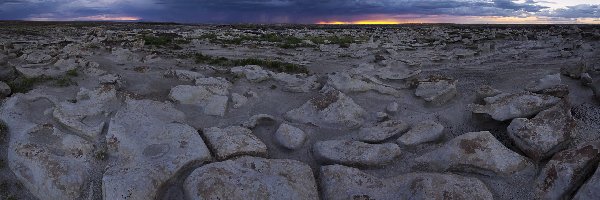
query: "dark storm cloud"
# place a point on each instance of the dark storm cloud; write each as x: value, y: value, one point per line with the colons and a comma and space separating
x: 274, y: 11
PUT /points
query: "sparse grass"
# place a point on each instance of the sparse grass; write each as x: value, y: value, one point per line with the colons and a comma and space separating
x: 64, y: 82
x: 343, y: 41
x: 272, y: 65
x: 23, y: 84
x: 101, y: 155
x: 72, y: 73
x: 170, y: 40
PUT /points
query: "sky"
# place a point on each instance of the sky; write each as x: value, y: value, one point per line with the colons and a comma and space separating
x: 307, y: 11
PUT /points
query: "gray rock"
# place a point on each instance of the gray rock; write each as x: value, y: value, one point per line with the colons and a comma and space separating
x: 348, y: 82
x: 260, y: 119
x: 574, y: 70
x: 218, y: 86
x: 290, y: 137
x: 586, y: 79
x: 382, y: 116
x: 86, y: 116
x: 5, y: 90
x: 60, y: 68
x: 392, y: 107
x: 252, y: 178
x: 50, y: 162
x: 518, y: 105
x: 567, y: 170
x: 382, y: 131
x: 122, y: 56
x: 477, y: 152
x: 297, y: 83
x: 36, y: 57
x: 213, y: 102
x: 148, y: 145
x: 238, y: 100
x: 330, y: 109
x: 591, y: 189
x: 111, y: 79
x: 253, y: 73
x: 183, y: 75
x: 398, y: 72
x: 340, y: 182
x: 355, y: 153
x: 560, y: 91
x: 547, y: 82
x: 233, y: 141
x: 486, y: 91
x: 437, y: 90
x: 545, y: 134
x: 426, y: 131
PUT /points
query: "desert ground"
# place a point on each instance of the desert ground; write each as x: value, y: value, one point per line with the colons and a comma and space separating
x: 141, y: 111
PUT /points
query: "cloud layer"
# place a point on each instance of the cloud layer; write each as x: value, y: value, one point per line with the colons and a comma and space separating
x: 280, y: 11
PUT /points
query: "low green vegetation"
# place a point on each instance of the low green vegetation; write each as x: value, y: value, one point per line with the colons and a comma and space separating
x: 23, y: 84
x: 272, y: 65
x: 72, y: 73
x: 170, y: 40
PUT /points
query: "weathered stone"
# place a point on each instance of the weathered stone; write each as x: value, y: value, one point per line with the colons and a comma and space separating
x: 341, y: 182
x: 183, y: 75
x: 330, y: 109
x: 87, y: 115
x: 591, y: 189
x: 148, y: 145
x: 212, y: 103
x: 218, y: 86
x: 574, y: 70
x: 297, y: 83
x: 233, y: 141
x: 426, y: 131
x: 567, y: 170
x: 596, y: 89
x: 122, y: 56
x: 560, y: 91
x: 36, y: 57
x: 477, y: 152
x: 111, y: 79
x: 50, y: 162
x: 5, y: 90
x: 392, y: 107
x: 382, y: 131
x: 509, y: 106
x: 545, y: 134
x: 546, y: 82
x: 586, y: 79
x: 290, y: 137
x: 355, y: 153
x: 347, y: 82
x: 400, y: 72
x: 260, y: 119
x: 238, y: 100
x: 436, y: 90
x: 252, y: 178
x: 253, y: 73
x: 486, y: 91
x: 60, y: 68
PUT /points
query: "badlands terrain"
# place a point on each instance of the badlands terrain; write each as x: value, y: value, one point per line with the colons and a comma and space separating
x: 169, y: 111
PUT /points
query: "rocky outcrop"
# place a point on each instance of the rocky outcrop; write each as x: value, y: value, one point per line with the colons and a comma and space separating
x: 546, y: 82
x: 252, y: 178
x: 567, y: 170
x: 426, y: 131
x: 355, y: 153
x: 5, y: 90
x: 233, y: 141
x: 591, y: 189
x: 340, y: 182
x: 210, y: 94
x: 354, y: 82
x: 148, y: 144
x: 437, y: 90
x: 545, y: 134
x: 183, y: 75
x: 330, y: 109
x: 574, y: 70
x: 518, y: 105
x: 476, y: 152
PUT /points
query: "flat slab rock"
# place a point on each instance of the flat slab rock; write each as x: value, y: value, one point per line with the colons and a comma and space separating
x: 437, y: 91
x: 252, y: 178
x: 567, y: 170
x: 382, y: 131
x: 349, y: 82
x: 212, y: 103
x: 546, y: 133
x: 330, y: 109
x: 341, y: 182
x: 50, y: 162
x: 148, y: 144
x: 591, y: 189
x: 426, y: 131
x: 233, y: 141
x: 355, y: 153
x: 475, y: 152
x: 507, y: 106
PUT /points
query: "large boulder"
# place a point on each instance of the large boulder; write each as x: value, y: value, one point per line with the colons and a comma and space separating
x: 252, y: 178
x: 382, y: 131
x: 545, y: 134
x: 52, y: 163
x: 148, y: 144
x: 437, y: 90
x: 86, y: 116
x: 233, y: 141
x: 567, y: 170
x: 340, y: 182
x: 507, y: 106
x: 355, y: 153
x: 476, y: 152
x: 330, y: 109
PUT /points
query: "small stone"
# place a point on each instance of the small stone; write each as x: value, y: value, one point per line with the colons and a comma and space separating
x: 233, y: 141
x: 381, y: 116
x: 238, y: 100
x: 586, y: 79
x: 4, y: 90
x: 574, y: 70
x: 290, y: 137
x: 355, y: 153
x: 392, y: 107
x: 486, y: 91
x: 427, y: 131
